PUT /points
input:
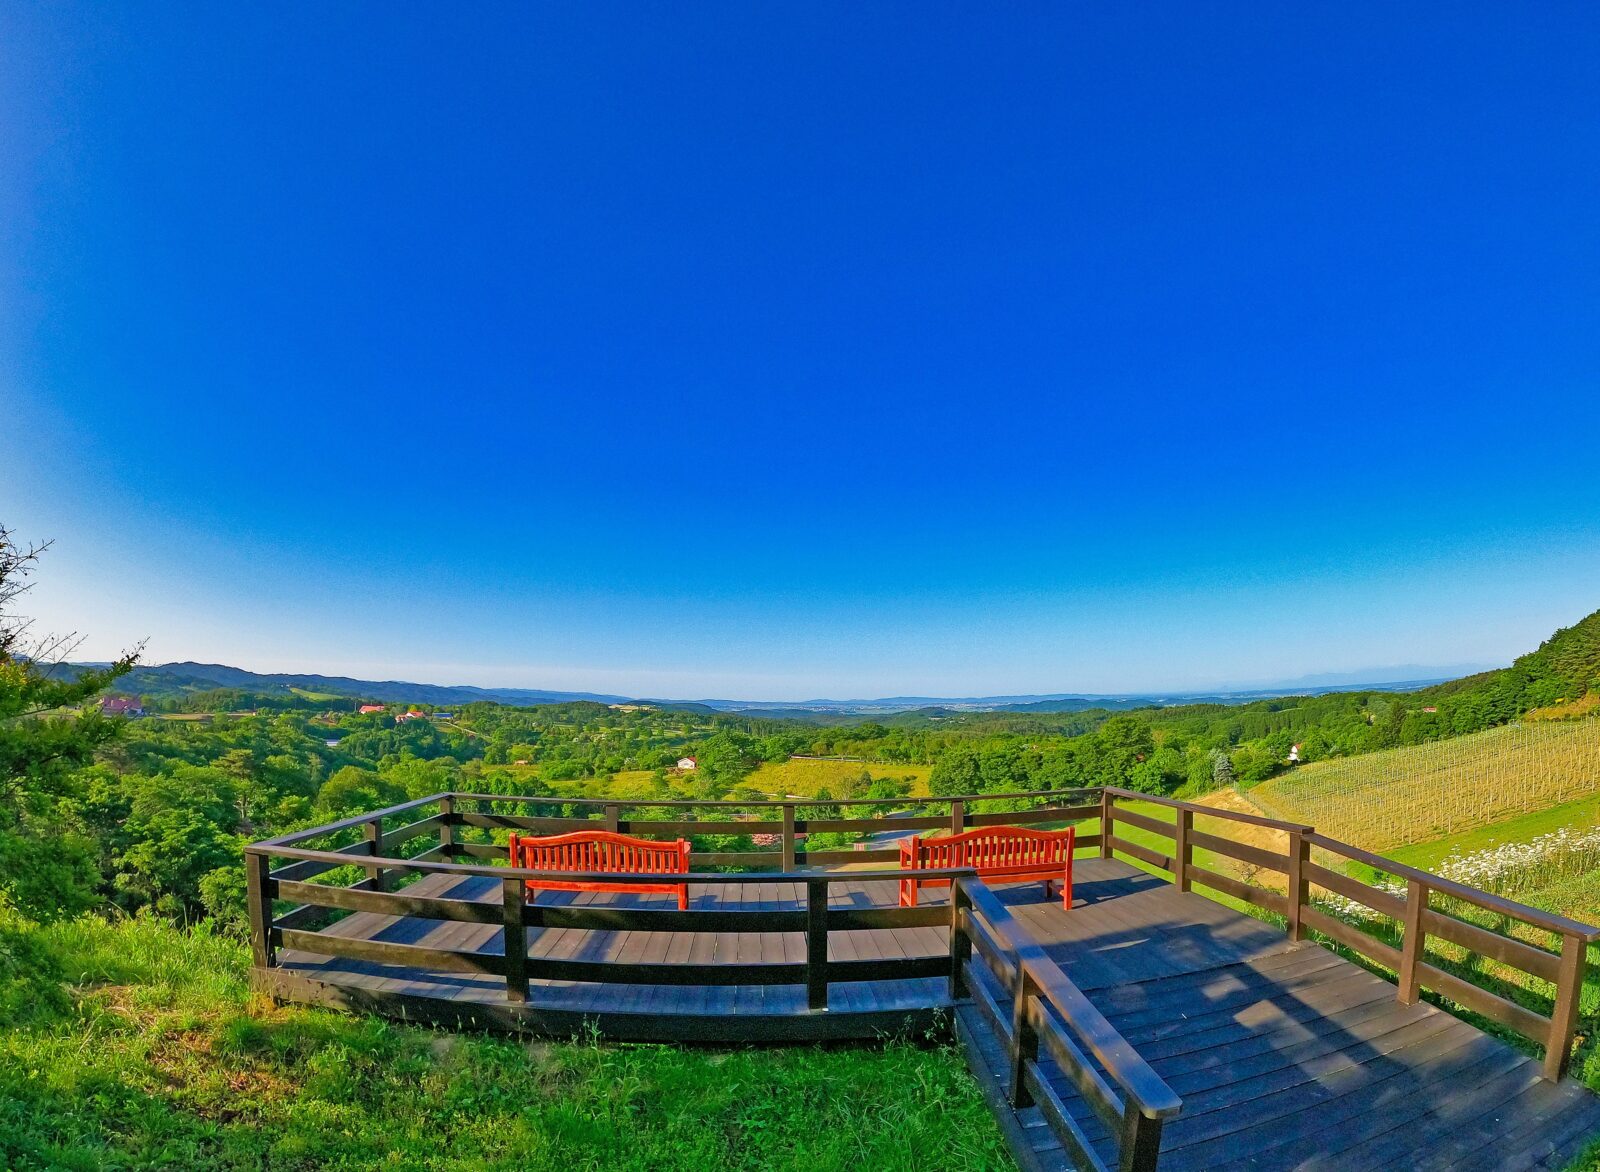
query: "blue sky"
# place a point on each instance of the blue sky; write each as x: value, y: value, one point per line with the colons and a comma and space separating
x: 776, y: 352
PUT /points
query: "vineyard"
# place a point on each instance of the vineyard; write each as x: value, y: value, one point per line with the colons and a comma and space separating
x: 1389, y: 799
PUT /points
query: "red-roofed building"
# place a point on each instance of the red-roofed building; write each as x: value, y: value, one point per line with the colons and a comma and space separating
x: 121, y: 706
x: 369, y: 709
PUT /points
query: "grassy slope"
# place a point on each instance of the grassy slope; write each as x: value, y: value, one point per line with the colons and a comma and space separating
x: 163, y: 1060
x: 1422, y: 792
x: 1583, y: 813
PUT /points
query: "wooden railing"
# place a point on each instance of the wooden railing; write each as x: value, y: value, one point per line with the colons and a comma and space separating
x: 384, y: 833
x: 1048, y: 1010
x: 1414, y: 916
x: 782, y: 822
x: 391, y: 848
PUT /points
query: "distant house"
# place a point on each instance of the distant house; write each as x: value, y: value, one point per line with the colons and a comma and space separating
x: 687, y: 763
x: 1430, y: 708
x: 333, y: 742
x: 121, y: 706
x: 1294, y: 753
x: 369, y: 709
x: 413, y: 714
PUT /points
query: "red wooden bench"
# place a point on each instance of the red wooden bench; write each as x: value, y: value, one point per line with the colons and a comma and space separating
x: 603, y: 851
x: 1003, y: 853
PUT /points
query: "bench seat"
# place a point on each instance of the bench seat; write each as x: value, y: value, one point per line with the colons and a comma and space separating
x: 1005, y: 854
x: 588, y: 851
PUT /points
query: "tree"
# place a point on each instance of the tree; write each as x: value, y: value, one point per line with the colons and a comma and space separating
x: 44, y: 741
x: 1221, y: 769
x: 353, y: 790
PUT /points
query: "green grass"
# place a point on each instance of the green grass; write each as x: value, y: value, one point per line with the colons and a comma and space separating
x: 1585, y: 812
x: 157, y: 1056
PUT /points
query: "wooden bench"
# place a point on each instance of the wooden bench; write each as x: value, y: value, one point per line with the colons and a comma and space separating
x: 603, y: 851
x: 999, y: 853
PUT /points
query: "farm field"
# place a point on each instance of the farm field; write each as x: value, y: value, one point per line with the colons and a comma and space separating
x: 1421, y: 793
x: 806, y: 777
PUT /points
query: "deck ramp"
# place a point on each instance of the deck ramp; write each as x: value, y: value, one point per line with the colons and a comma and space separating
x: 1285, y: 1055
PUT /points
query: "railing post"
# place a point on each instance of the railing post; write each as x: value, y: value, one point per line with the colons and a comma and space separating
x: 1139, y: 1145
x: 447, y: 828
x: 258, y: 884
x: 1181, y: 851
x: 960, y: 942
x: 1105, y: 823
x: 817, y: 943
x: 958, y: 816
x: 614, y: 817
x: 373, y: 833
x: 788, y: 836
x: 516, y: 942
x: 1024, y: 1040
x: 1412, y: 942
x: 1299, y: 886
x: 1569, y: 986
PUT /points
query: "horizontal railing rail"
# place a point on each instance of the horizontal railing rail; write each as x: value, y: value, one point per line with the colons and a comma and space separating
x: 1415, y: 919
x: 305, y: 859
x: 1048, y: 1010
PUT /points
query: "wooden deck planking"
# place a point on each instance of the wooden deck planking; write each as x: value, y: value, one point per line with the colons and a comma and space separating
x: 1286, y: 1055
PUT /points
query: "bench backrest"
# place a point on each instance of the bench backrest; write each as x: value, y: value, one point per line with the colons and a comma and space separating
x: 601, y: 850
x: 993, y: 847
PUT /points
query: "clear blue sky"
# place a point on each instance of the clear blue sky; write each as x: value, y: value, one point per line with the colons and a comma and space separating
x: 823, y: 349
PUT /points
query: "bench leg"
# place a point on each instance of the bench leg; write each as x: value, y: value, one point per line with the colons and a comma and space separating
x: 908, y: 893
x: 1066, y: 886
x: 683, y: 897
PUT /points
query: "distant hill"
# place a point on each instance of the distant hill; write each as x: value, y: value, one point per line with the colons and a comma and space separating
x: 175, y: 680
x: 171, y: 679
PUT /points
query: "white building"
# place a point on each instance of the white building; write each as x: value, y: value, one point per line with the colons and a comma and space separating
x: 687, y: 763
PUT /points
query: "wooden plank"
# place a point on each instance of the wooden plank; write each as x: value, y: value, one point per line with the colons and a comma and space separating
x: 388, y: 903
x: 1564, y: 1018
x: 1076, y: 1066
x: 1255, y: 856
x: 1383, y: 902
x: 604, y: 917
x: 1117, y: 793
x: 1248, y: 892
x: 1143, y: 853
x: 1496, y: 1008
x: 1032, y: 817
x: 384, y: 952
x: 404, y: 834
x: 1153, y: 825
x: 924, y: 915
x: 1517, y: 953
x: 308, y: 869
x: 1368, y: 946
x: 1061, y: 1122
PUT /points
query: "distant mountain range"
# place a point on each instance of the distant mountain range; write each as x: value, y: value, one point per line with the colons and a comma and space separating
x: 180, y: 678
